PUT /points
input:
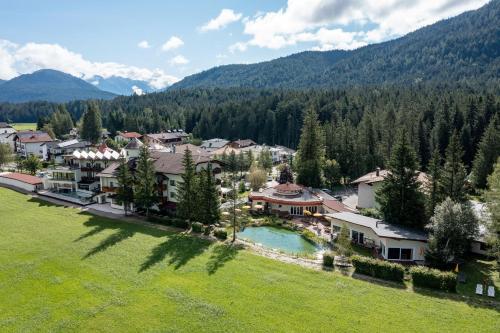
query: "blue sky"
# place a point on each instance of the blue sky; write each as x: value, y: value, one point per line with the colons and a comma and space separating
x: 87, y: 38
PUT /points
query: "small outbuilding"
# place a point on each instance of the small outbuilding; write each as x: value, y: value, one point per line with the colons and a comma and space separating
x: 21, y: 181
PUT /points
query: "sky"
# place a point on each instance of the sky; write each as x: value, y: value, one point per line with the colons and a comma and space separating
x: 163, y: 41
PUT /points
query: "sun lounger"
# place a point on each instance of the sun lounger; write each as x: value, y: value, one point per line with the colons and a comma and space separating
x: 491, y: 291
x: 479, y: 289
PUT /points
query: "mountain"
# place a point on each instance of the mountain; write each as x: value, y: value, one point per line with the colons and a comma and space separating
x: 121, y: 85
x: 49, y: 85
x: 463, y: 49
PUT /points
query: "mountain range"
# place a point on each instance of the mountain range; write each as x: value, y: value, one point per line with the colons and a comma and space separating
x: 49, y: 85
x: 121, y: 85
x: 463, y: 49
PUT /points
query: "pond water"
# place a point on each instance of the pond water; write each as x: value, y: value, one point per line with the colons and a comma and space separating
x: 281, y: 239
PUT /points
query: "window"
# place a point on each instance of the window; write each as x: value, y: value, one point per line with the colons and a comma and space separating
x: 396, y: 253
x: 172, y: 195
x: 172, y: 182
x: 358, y: 237
x: 111, y: 184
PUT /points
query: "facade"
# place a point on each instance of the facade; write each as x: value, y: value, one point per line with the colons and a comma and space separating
x: 22, y: 181
x: 7, y: 134
x: 293, y: 200
x: 242, y: 143
x: 391, y: 242
x: 133, y: 148
x: 57, y: 150
x: 126, y: 136
x: 167, y: 139
x: 369, y: 184
x: 28, y: 143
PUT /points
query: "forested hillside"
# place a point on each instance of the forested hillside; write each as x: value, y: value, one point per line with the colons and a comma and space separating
x: 359, y: 124
x: 461, y: 50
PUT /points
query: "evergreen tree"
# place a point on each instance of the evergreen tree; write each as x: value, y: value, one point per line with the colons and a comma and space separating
x: 487, y: 154
x: 434, y: 173
x: 331, y: 170
x: 232, y: 162
x: 343, y: 242
x: 492, y: 199
x: 453, y: 175
x: 61, y: 121
x: 125, y: 190
x: 91, y: 124
x: 145, y: 186
x: 311, y: 152
x: 286, y: 175
x: 187, y: 207
x: 241, y: 163
x: 265, y: 160
x: 401, y: 201
x: 6, y: 154
x: 249, y: 160
x: 209, y: 198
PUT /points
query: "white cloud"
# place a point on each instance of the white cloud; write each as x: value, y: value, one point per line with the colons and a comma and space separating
x: 179, y: 60
x: 173, y: 43
x: 138, y: 91
x: 21, y: 59
x: 226, y: 16
x: 143, y: 44
x: 329, y: 23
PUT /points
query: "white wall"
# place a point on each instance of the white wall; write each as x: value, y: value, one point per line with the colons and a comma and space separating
x: 366, y: 195
x: 419, y: 248
x: 19, y: 184
x: 34, y: 148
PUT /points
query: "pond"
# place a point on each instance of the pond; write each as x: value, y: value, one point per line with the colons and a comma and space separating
x: 281, y: 239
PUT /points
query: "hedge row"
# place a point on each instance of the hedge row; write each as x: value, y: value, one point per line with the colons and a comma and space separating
x: 220, y: 233
x: 378, y: 268
x: 328, y: 259
x: 433, y: 278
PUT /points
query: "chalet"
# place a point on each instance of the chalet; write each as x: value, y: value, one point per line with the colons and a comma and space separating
x: 214, y: 144
x: 242, y: 143
x: 168, y: 139
x: 133, y: 148
x: 56, y: 150
x: 31, y: 143
x: 369, y: 184
x: 126, y: 136
x: 391, y: 242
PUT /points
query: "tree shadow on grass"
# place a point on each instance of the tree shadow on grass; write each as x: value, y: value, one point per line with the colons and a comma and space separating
x: 180, y: 248
x: 221, y: 254
x: 380, y: 282
x: 111, y: 240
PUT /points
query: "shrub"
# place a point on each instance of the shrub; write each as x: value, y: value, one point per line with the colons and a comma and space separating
x: 197, y: 227
x: 328, y: 259
x: 160, y: 220
x: 433, y: 278
x: 378, y: 268
x: 180, y: 223
x: 220, y: 233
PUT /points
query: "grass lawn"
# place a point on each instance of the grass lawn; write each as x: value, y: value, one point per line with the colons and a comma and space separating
x: 24, y: 126
x: 62, y: 270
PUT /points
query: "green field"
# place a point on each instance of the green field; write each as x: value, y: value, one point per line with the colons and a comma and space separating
x: 24, y: 126
x: 62, y: 270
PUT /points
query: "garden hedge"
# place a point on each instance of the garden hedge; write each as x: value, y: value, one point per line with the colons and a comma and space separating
x: 220, y: 233
x: 197, y: 227
x: 433, y: 278
x: 378, y: 268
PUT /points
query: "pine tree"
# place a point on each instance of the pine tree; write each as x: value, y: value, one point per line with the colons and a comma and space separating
x: 331, y: 171
x: 6, y: 154
x: 286, y: 175
x: 209, y: 202
x: 265, y: 160
x: 487, y: 154
x: 241, y: 163
x: 61, y: 121
x: 232, y: 162
x: 125, y: 190
x: 145, y: 189
x: 187, y: 190
x: 92, y: 124
x: 492, y: 199
x: 311, y: 151
x: 453, y: 175
x: 434, y: 172
x: 400, y: 199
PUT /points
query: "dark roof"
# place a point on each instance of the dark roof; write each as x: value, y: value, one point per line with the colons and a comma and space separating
x: 134, y: 144
x: 168, y: 135
x: 22, y: 178
x: 172, y: 163
x: 4, y: 125
x: 32, y: 137
x: 112, y: 169
x: 244, y: 143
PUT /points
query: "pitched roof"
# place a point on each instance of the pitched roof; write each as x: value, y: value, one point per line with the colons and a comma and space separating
x: 214, y: 143
x: 336, y: 205
x: 5, y: 125
x: 180, y: 149
x: 22, y: 178
x: 244, y: 143
x: 129, y: 135
x: 172, y: 163
x: 380, y: 228
x: 34, y: 137
x: 372, y: 177
x: 134, y: 144
x: 168, y: 135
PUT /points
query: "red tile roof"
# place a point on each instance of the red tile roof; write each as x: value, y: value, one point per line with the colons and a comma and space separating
x: 288, y: 187
x: 36, y: 137
x: 130, y: 135
x: 336, y: 206
x: 22, y: 178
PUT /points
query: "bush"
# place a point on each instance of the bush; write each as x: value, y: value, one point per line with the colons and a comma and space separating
x: 378, y: 268
x: 180, y: 223
x: 197, y: 227
x: 220, y: 233
x: 328, y: 259
x: 160, y: 220
x: 433, y: 278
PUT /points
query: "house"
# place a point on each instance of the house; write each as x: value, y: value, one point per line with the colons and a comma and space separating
x: 195, y: 150
x: 391, y: 242
x: 109, y: 183
x: 7, y: 134
x: 242, y: 143
x: 214, y: 144
x: 81, y: 169
x: 30, y: 143
x: 133, y: 148
x: 369, y: 184
x: 292, y: 199
x: 126, y: 136
x: 169, y: 138
x: 281, y: 154
x: 56, y: 150
x: 22, y: 181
